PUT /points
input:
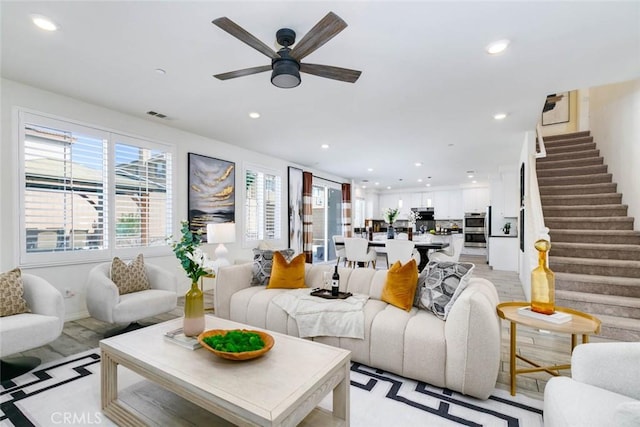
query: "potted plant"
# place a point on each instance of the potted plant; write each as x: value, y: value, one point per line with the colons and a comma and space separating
x: 507, y: 228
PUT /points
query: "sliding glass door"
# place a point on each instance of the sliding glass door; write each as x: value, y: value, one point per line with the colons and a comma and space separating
x: 327, y: 197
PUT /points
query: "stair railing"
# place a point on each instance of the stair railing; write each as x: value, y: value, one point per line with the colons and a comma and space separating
x: 534, y: 217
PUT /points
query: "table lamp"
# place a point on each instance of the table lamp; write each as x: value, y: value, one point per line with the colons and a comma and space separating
x: 221, y: 233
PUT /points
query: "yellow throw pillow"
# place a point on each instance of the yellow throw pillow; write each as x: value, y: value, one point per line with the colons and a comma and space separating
x: 400, y: 287
x: 287, y: 275
x: 129, y: 277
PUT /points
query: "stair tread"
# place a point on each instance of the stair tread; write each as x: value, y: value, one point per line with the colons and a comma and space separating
x: 595, y: 261
x: 580, y: 196
x: 606, y: 206
x: 551, y: 156
x: 599, y: 246
x: 596, y: 232
x: 621, y: 322
x: 578, y: 186
x: 589, y: 218
x: 599, y: 298
x: 605, y: 280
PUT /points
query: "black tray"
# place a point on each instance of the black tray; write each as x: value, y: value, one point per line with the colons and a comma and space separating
x: 326, y: 294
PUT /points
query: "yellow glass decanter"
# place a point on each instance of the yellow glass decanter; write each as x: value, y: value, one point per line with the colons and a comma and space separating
x: 543, y: 287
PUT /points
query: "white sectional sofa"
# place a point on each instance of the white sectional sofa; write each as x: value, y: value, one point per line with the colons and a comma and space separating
x: 461, y: 353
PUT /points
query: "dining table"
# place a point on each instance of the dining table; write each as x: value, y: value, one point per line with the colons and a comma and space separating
x: 422, y: 247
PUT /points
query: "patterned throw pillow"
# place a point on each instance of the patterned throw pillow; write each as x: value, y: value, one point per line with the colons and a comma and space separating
x: 129, y: 278
x: 12, y: 294
x: 445, y: 281
x: 263, y: 263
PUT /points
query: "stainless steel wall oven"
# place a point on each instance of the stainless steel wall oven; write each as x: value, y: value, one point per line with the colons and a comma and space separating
x: 474, y: 230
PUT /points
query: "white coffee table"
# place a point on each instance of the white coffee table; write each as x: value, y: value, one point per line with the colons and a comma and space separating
x: 280, y: 388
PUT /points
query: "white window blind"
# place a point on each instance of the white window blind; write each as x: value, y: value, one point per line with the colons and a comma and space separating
x: 88, y: 192
x: 262, y: 204
x: 142, y: 201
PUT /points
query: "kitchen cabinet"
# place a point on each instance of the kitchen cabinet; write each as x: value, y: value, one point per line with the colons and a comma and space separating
x: 448, y: 204
x: 505, y: 195
x: 475, y: 199
x: 503, y: 253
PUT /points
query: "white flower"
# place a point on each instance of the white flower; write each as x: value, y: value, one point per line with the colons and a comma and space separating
x: 413, y: 217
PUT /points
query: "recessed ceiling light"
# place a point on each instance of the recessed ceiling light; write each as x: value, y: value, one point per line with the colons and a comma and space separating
x: 469, y: 176
x: 497, y: 47
x: 419, y: 179
x: 254, y: 115
x: 418, y: 164
x: 44, y: 23
x: 428, y: 185
x: 500, y: 116
x: 160, y: 71
x: 474, y: 181
x: 369, y: 169
x: 324, y: 146
x: 388, y: 187
x: 364, y: 186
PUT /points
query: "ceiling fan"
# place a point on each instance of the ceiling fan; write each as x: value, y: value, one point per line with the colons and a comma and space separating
x: 285, y: 64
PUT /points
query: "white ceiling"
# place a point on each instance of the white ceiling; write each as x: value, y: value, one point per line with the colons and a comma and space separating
x: 427, y: 93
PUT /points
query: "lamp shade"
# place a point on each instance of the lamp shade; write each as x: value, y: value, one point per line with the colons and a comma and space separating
x: 285, y: 74
x: 221, y: 233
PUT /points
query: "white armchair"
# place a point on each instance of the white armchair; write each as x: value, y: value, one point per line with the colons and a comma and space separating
x: 106, y: 304
x: 604, y: 389
x: 26, y: 331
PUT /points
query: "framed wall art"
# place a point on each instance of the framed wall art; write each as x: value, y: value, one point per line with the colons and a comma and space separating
x: 295, y: 209
x: 556, y: 109
x: 212, y: 192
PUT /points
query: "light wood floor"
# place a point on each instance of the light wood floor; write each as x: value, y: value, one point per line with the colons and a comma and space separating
x: 547, y: 348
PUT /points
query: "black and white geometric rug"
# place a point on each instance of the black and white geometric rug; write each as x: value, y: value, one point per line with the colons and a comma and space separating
x: 67, y: 392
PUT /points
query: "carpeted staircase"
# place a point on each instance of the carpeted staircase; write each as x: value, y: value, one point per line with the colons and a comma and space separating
x: 595, y: 252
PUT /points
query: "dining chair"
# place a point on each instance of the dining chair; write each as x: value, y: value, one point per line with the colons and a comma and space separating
x: 357, y: 251
x: 450, y: 253
x: 338, y: 246
x: 401, y: 250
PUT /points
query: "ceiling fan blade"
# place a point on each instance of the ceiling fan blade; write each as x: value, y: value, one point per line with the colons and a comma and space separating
x: 321, y: 33
x: 243, y: 72
x: 243, y: 35
x: 335, y: 73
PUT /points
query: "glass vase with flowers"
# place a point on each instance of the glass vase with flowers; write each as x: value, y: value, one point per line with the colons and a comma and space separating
x: 390, y: 216
x: 196, y: 264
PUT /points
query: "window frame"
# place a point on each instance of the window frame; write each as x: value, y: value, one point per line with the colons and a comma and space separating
x: 246, y: 167
x: 112, y: 137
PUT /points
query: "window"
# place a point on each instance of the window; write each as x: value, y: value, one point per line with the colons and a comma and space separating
x: 89, y: 192
x: 262, y: 204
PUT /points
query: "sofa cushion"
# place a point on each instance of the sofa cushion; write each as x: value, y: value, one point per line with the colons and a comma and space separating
x: 445, y: 282
x: 400, y: 287
x: 130, y: 277
x: 263, y: 263
x: 287, y: 275
x: 12, y: 294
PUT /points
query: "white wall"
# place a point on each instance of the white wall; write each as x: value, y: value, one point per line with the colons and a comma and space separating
x: 614, y: 116
x: 72, y: 276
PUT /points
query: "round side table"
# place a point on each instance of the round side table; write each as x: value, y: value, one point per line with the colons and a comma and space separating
x: 580, y: 324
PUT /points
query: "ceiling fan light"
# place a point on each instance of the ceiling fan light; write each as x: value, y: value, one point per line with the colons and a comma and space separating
x: 286, y: 74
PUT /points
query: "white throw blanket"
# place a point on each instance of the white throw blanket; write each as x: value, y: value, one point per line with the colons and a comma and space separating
x: 317, y: 316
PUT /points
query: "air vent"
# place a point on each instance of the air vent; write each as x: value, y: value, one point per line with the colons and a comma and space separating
x: 158, y: 115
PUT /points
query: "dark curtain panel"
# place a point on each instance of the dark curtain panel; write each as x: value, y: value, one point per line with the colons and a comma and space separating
x: 307, y: 215
x: 347, y: 230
